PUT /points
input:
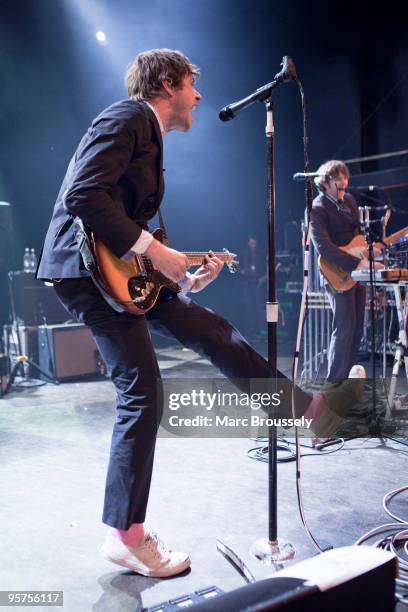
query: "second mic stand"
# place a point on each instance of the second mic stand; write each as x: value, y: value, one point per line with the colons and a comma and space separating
x: 22, y: 360
x: 373, y: 426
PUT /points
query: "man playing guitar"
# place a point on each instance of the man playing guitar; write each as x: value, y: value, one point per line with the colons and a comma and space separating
x: 334, y: 223
x: 114, y: 185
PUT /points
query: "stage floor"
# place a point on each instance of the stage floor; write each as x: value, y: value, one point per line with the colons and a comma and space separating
x: 54, y: 443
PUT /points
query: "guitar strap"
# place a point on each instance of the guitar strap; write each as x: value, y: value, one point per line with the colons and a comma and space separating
x: 166, y: 293
x: 85, y: 247
x: 166, y: 241
x: 84, y: 243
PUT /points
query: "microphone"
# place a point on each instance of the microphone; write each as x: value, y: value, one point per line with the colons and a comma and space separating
x: 261, y: 94
x: 302, y: 176
x: 288, y: 72
x: 365, y: 188
x: 361, y: 215
x: 378, y: 208
x: 226, y: 113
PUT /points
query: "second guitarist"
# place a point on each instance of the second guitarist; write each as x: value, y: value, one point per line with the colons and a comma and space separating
x: 334, y: 223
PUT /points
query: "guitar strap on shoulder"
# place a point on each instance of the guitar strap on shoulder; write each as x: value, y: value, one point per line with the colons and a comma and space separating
x: 84, y: 243
x: 163, y: 228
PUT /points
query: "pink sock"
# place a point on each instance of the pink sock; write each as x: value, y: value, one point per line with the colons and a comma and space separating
x: 132, y: 536
x: 316, y: 406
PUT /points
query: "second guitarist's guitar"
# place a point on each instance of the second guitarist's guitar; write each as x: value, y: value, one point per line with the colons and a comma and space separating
x: 135, y: 283
x: 339, y: 279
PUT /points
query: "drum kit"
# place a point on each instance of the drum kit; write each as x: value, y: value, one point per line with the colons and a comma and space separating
x: 399, y: 252
x: 392, y: 278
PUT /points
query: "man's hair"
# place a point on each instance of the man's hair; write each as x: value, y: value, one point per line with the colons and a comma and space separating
x: 333, y: 168
x: 145, y: 75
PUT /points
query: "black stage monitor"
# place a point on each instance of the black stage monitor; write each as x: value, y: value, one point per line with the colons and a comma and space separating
x: 360, y: 578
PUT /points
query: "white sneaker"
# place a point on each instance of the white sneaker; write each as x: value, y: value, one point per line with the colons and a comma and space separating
x: 339, y: 399
x: 150, y: 558
x: 357, y: 371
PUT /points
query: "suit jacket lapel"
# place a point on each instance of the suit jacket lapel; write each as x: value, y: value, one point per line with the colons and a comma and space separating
x: 159, y: 137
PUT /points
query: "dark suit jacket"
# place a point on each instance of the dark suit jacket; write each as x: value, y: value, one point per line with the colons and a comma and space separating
x: 114, y: 183
x: 331, y: 228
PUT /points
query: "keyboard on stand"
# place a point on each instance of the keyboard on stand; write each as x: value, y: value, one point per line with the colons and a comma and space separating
x: 389, y: 275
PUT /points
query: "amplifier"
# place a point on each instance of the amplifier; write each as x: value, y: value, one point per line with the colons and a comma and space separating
x: 68, y: 352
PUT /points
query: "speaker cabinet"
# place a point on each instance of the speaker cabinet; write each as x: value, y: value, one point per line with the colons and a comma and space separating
x: 68, y: 352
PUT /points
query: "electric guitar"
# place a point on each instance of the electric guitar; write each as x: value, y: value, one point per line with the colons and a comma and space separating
x: 135, y: 283
x: 339, y: 279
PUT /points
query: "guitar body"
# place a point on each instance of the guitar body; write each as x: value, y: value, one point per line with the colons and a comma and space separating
x: 133, y: 281
x: 338, y: 279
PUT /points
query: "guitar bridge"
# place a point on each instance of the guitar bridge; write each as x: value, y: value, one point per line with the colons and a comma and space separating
x: 140, y: 289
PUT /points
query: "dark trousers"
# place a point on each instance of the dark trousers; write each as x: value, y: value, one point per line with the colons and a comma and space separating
x: 254, y: 305
x: 348, y: 326
x: 125, y: 345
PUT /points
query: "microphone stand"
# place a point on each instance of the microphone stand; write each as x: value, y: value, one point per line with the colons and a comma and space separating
x: 373, y: 426
x: 21, y: 359
x: 271, y: 550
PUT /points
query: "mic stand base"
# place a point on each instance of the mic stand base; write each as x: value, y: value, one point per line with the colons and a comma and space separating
x: 237, y: 550
x: 271, y: 552
x: 26, y: 382
x: 381, y: 428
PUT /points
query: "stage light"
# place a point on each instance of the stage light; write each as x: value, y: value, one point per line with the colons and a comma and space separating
x: 101, y: 37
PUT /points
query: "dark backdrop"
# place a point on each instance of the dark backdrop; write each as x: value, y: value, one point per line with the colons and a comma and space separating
x: 56, y: 77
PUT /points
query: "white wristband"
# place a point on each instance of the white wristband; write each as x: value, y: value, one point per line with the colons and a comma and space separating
x: 187, y: 283
x: 142, y: 243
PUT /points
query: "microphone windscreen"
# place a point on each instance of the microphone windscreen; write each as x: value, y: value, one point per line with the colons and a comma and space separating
x: 226, y: 114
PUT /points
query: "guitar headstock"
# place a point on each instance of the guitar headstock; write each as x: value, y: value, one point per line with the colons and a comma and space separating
x: 230, y: 260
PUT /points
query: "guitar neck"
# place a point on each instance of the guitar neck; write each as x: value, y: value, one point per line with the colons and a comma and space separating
x: 196, y: 258
x: 395, y: 236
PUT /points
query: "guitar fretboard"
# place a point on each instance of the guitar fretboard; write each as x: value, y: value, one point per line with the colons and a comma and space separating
x: 196, y: 258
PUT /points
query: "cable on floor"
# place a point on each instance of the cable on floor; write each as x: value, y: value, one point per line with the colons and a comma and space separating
x: 393, y: 538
